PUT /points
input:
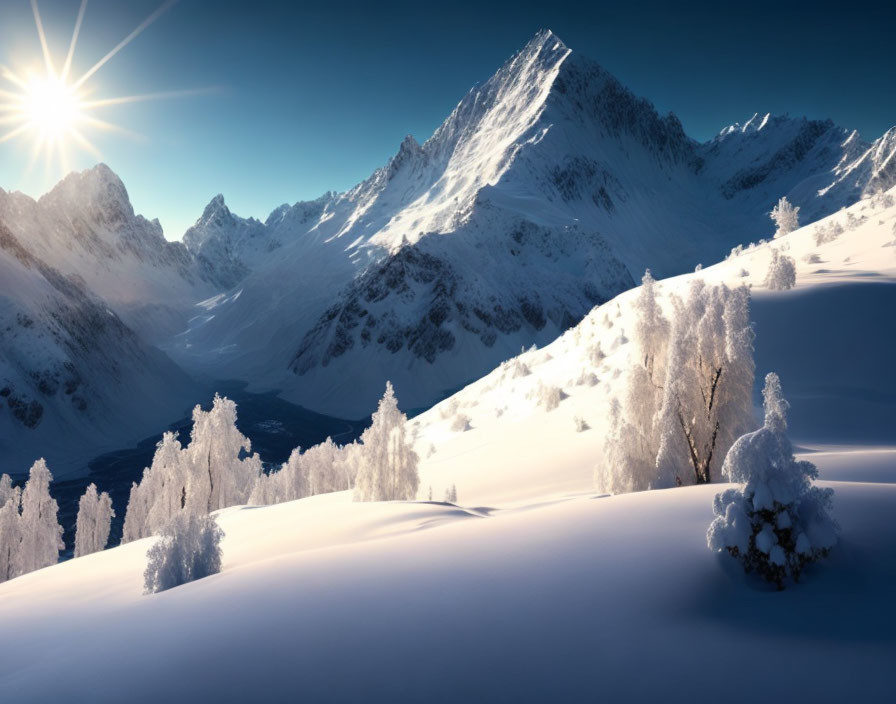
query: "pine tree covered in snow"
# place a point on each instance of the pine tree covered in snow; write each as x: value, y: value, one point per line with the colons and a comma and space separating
x: 387, y: 463
x: 94, y: 522
x: 776, y: 522
x: 785, y: 217
x: 188, y: 549
x: 451, y: 494
x: 41, y: 534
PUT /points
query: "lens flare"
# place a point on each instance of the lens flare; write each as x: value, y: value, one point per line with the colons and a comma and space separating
x: 51, y: 108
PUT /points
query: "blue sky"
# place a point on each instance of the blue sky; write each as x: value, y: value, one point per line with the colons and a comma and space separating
x: 302, y: 98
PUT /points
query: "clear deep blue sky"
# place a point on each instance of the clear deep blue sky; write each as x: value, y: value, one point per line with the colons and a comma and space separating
x: 309, y: 97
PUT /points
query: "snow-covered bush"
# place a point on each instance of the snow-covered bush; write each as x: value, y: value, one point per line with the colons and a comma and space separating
x: 781, y: 273
x: 785, y: 217
x: 776, y: 522
x: 449, y: 409
x: 828, y: 233
x: 94, y: 522
x: 581, y: 424
x: 387, y: 463
x: 188, y: 549
x: 548, y: 397
x: 519, y: 369
x: 853, y: 221
x: 460, y: 424
x: 882, y: 200
x: 586, y: 378
x: 812, y: 258
x: 451, y: 494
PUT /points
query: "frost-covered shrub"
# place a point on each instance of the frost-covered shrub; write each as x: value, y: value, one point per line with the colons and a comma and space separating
x: 786, y: 217
x: 881, y: 200
x: 828, y: 233
x: 461, y: 423
x: 188, y: 549
x: 744, y: 273
x: 853, y: 220
x: 519, y: 369
x: 586, y: 378
x: 812, y: 258
x: 735, y: 252
x: 549, y: 397
x: 776, y: 522
x: 449, y: 409
x: 781, y: 273
x: 451, y: 495
x: 596, y: 354
x: 581, y: 424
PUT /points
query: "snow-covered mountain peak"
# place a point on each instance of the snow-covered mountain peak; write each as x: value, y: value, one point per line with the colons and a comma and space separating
x: 98, y: 194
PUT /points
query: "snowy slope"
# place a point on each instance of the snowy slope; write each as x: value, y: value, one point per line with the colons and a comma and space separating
x: 549, y: 188
x: 587, y: 598
x: 828, y: 338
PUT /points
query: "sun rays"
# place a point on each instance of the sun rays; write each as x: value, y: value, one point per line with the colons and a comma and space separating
x: 56, y: 111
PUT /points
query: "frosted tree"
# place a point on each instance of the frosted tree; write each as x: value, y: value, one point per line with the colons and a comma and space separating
x: 322, y: 470
x: 451, y: 494
x: 709, y: 378
x: 219, y: 477
x: 10, y: 528
x: 776, y: 522
x: 41, y: 534
x: 781, y: 273
x: 166, y: 484
x: 188, y: 549
x: 94, y: 522
x: 211, y: 473
x: 6, y: 488
x: 387, y: 463
x: 785, y: 217
x: 687, y: 394
x: 138, y: 508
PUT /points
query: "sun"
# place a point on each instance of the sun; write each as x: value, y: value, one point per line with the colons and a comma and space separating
x: 55, y: 111
x: 52, y: 107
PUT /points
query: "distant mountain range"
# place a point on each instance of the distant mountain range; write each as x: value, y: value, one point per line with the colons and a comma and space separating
x: 548, y: 190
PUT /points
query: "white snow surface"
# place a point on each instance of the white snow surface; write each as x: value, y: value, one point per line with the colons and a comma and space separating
x: 532, y: 588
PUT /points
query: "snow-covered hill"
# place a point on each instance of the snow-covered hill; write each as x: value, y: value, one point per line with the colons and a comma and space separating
x: 532, y: 587
x: 548, y: 189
